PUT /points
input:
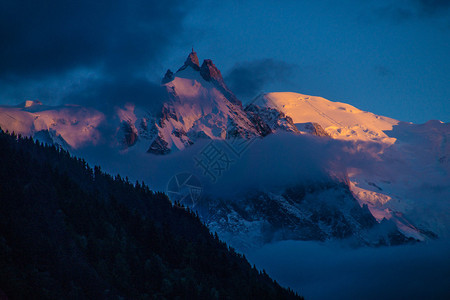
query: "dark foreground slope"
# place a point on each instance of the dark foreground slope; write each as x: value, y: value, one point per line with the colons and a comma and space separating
x: 69, y: 231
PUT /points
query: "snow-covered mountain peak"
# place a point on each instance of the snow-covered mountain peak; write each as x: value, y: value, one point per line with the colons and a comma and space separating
x: 410, y: 158
x: 68, y: 126
x: 199, y: 105
x: 340, y: 120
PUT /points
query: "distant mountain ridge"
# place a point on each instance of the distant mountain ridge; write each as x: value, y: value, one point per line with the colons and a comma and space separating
x: 199, y: 105
x: 395, y: 171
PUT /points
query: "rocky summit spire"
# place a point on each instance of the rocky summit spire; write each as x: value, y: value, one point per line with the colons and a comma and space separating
x: 168, y: 77
x: 191, y: 61
x: 210, y: 72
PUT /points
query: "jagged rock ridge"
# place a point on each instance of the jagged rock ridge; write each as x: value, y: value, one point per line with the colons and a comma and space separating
x: 200, y: 105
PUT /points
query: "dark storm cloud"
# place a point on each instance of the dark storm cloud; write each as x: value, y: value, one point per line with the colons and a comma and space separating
x: 395, y: 13
x: 47, y: 48
x: 246, y: 79
x: 383, y: 71
x: 107, y: 94
x: 431, y: 7
x: 46, y: 37
x: 414, y: 9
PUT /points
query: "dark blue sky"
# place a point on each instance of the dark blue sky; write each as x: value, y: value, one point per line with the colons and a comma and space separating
x: 389, y: 57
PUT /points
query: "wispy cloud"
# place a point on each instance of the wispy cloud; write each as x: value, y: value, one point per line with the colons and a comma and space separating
x: 247, y: 79
x: 433, y: 7
x: 383, y: 71
x: 413, y: 9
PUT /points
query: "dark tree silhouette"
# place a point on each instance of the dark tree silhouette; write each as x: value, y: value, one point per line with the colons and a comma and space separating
x: 70, y: 231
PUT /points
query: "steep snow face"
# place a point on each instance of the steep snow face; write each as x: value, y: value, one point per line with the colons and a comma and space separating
x: 409, y: 183
x: 68, y: 126
x: 199, y: 106
x: 340, y: 120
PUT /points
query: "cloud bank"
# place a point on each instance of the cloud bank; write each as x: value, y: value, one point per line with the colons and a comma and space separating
x: 84, y: 46
x: 414, y: 9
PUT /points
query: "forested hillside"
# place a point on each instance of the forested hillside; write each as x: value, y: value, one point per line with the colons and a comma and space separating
x: 73, y: 232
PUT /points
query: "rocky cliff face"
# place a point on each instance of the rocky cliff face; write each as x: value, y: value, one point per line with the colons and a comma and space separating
x: 269, y: 120
x: 312, y: 128
x: 210, y: 73
x: 191, y: 61
x: 317, y: 211
x: 199, y: 105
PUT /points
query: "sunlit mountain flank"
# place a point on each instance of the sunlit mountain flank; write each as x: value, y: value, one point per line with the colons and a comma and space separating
x: 224, y: 150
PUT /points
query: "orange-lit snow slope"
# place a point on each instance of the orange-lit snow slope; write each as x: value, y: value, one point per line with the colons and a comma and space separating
x: 70, y: 125
x: 340, y: 120
x: 407, y: 175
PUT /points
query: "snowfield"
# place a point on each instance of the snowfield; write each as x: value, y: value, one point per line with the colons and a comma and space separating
x: 405, y: 157
x: 69, y: 125
x: 340, y: 120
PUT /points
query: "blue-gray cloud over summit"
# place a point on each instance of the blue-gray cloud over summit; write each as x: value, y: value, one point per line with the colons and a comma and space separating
x: 43, y: 43
x: 40, y: 38
x: 247, y: 79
